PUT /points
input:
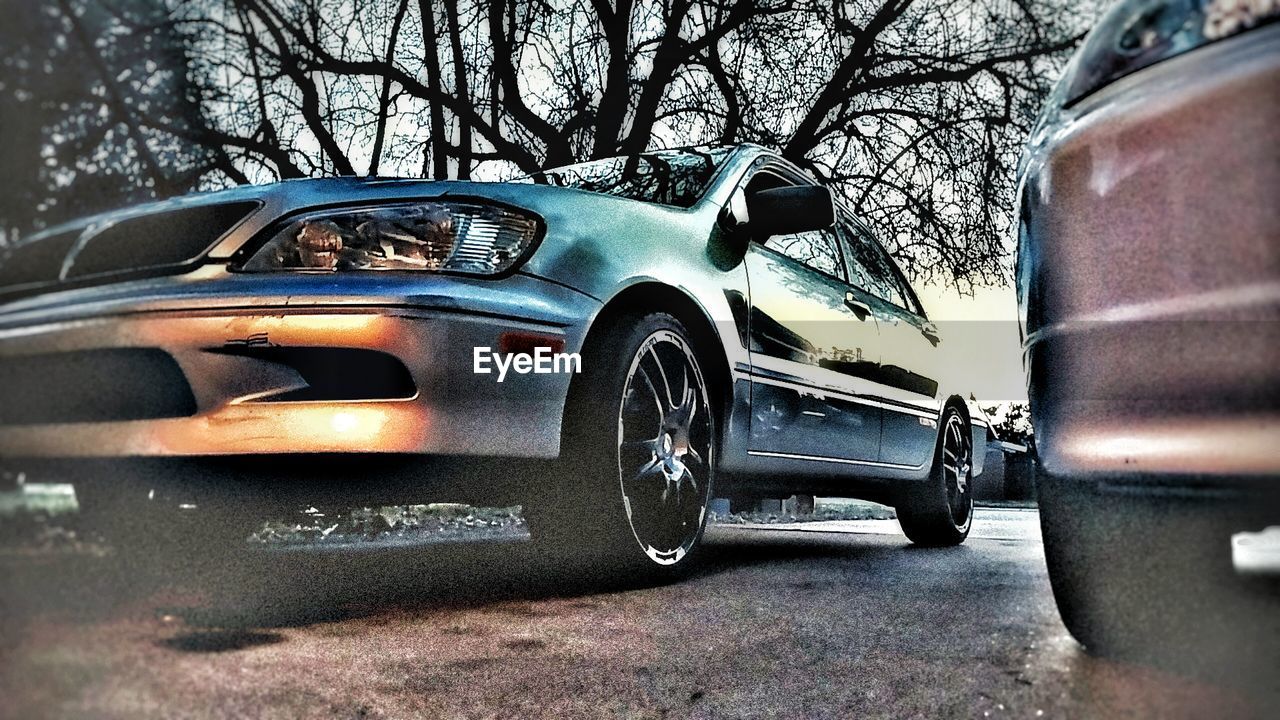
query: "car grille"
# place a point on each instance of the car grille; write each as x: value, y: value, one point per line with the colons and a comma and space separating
x: 153, y: 244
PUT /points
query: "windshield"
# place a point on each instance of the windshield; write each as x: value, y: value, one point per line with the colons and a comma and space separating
x: 667, y: 177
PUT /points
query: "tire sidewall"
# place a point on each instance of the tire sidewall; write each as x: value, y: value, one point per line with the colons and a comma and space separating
x: 966, y: 439
x: 589, y: 447
x: 925, y: 513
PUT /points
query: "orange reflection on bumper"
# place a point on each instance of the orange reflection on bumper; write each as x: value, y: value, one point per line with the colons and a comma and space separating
x: 297, y: 427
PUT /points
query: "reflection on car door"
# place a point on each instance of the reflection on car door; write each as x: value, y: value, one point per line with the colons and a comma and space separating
x: 910, y: 350
x: 810, y: 352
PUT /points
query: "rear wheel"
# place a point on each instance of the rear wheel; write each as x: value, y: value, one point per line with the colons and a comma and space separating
x: 940, y: 511
x: 635, y: 480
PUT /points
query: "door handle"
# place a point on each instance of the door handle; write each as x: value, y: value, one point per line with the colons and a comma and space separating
x: 859, y: 308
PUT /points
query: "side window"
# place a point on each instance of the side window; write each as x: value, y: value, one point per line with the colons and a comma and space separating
x: 908, y: 297
x: 816, y: 249
x: 896, y: 279
x: 871, y: 269
x: 859, y: 275
x: 865, y: 269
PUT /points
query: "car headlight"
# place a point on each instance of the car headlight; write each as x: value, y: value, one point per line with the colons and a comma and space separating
x: 434, y: 236
x: 1136, y: 33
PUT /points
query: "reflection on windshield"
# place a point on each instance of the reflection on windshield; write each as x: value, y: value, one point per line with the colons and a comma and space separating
x: 667, y: 177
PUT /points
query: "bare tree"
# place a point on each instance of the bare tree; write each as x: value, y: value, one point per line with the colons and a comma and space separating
x: 914, y: 109
x: 71, y: 99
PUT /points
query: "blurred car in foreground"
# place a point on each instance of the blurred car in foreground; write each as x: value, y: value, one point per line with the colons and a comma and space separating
x: 1149, y: 287
x: 691, y: 322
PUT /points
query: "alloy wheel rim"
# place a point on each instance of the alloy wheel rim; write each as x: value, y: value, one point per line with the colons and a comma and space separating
x: 664, y: 448
x: 957, y: 464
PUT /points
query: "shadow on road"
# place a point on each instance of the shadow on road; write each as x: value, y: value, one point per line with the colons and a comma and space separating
x: 973, y: 626
x: 212, y: 641
x: 293, y: 589
x: 299, y: 587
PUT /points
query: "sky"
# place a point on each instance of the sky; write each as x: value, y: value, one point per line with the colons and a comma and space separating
x: 983, y: 330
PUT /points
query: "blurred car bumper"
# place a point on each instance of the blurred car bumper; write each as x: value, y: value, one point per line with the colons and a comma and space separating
x: 1150, y: 271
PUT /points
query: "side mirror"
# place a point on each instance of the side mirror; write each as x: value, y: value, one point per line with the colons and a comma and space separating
x: 734, y: 217
x: 786, y: 210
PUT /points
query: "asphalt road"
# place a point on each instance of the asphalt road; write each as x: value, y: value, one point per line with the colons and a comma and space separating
x: 830, y: 620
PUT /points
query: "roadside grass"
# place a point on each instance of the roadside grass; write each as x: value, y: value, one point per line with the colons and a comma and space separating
x: 825, y: 509
x: 435, y: 520
x: 45, y: 518
x: 1007, y: 504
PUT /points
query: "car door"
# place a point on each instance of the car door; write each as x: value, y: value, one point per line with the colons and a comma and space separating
x: 812, y: 347
x: 910, y: 349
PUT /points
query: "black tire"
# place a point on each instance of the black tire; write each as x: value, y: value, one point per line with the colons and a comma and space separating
x: 630, y: 496
x: 1148, y: 577
x: 939, y: 511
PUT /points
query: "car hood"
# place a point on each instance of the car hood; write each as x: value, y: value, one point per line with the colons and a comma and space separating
x: 172, y: 237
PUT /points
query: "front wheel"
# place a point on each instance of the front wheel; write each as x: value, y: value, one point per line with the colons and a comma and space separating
x: 634, y: 482
x: 940, y: 511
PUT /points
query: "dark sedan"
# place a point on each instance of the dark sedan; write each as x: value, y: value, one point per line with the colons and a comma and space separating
x: 1149, y: 282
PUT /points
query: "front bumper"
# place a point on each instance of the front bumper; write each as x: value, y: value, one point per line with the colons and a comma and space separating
x: 1149, y: 274
x: 1167, y: 396
x: 228, y: 350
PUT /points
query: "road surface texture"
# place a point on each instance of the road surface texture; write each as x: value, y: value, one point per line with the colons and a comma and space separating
x: 826, y: 620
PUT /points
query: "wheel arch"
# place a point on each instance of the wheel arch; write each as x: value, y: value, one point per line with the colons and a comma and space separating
x: 653, y: 296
